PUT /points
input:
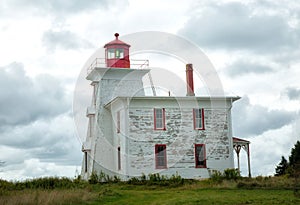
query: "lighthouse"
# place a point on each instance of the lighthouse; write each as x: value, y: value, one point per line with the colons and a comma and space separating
x: 130, y: 134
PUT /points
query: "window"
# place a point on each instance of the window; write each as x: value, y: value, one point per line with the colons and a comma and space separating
x: 198, y: 115
x: 159, y: 119
x: 118, y: 122
x: 200, y: 158
x: 120, y: 53
x: 115, y: 53
x: 110, y: 53
x: 119, y: 158
x: 160, y: 156
x: 85, y: 161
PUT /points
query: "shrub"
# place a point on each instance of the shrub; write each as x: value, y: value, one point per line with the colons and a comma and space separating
x: 153, y: 178
x: 45, y: 183
x: 232, y: 174
x: 116, y: 179
x: 216, y: 176
x: 176, y: 180
x: 134, y: 181
x: 94, y: 179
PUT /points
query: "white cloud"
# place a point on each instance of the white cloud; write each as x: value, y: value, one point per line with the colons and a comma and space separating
x: 34, y: 168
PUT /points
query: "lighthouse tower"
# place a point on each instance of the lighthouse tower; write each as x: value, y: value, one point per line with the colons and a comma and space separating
x: 110, y: 80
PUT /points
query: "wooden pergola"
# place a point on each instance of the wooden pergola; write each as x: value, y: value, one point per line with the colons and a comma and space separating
x: 239, y: 144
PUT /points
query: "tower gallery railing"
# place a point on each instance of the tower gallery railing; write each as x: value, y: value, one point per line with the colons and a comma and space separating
x: 134, y: 63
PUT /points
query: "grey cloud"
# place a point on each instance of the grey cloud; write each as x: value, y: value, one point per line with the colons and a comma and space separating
x: 237, y: 26
x: 58, y: 6
x: 251, y: 120
x: 51, y: 140
x: 293, y: 93
x: 241, y: 67
x: 24, y: 100
x: 64, y: 39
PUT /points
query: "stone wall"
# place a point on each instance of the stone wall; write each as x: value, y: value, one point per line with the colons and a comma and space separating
x: 179, y: 138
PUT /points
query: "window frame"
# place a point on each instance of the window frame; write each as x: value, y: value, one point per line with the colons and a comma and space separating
x: 119, y: 158
x: 163, y: 127
x: 120, y: 51
x: 112, y: 53
x: 118, y: 124
x: 195, y: 119
x: 196, y: 158
x: 157, y: 166
x: 85, y: 161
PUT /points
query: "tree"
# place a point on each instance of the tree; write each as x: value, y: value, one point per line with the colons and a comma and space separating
x: 295, y: 156
x: 282, y: 167
x: 291, y: 167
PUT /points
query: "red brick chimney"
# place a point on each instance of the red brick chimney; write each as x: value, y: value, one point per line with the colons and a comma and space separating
x: 189, y: 80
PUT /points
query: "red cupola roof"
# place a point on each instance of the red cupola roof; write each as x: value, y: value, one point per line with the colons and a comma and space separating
x: 116, y: 42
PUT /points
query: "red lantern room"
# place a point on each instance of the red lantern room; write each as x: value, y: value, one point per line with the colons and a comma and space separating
x: 117, y: 54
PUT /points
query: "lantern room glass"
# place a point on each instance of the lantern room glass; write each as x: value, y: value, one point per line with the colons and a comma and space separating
x: 113, y: 53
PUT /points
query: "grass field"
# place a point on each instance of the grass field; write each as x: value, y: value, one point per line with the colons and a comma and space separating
x: 255, y: 191
x: 194, y: 195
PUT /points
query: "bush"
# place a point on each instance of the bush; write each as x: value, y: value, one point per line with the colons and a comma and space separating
x: 232, y: 174
x: 157, y: 179
x: 94, y: 179
x: 135, y: 181
x: 176, y: 179
x: 45, y: 183
x: 228, y: 174
x: 216, y: 176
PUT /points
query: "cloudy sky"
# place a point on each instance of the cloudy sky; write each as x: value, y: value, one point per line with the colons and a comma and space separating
x: 253, y: 45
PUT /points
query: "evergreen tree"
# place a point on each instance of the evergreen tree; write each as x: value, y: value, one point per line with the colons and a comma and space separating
x: 295, y: 156
x: 282, y: 167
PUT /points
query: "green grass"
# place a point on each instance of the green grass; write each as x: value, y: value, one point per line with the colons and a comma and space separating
x: 193, y: 194
x: 259, y: 190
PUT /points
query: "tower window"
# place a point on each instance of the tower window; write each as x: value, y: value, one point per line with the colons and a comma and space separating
x: 160, y: 156
x: 85, y: 162
x: 200, y: 156
x: 110, y: 53
x: 118, y: 122
x: 115, y: 53
x: 120, y: 53
x: 159, y: 119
